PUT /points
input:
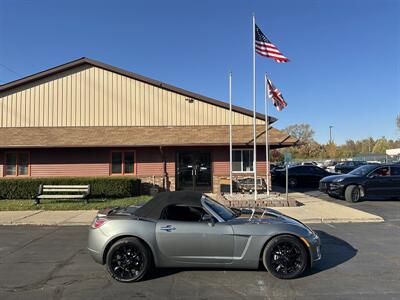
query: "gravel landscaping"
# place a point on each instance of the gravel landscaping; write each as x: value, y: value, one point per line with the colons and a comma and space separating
x: 263, y: 200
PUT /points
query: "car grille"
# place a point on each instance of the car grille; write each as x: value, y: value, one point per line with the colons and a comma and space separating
x: 323, y: 186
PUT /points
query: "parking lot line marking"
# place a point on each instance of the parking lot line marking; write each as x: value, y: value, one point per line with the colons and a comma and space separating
x: 330, y: 225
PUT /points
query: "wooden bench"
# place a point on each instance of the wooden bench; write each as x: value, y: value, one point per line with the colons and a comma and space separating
x: 63, y: 192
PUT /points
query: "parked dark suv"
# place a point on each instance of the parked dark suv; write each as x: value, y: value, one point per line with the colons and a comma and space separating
x: 347, y: 166
x: 373, y: 181
x: 299, y: 176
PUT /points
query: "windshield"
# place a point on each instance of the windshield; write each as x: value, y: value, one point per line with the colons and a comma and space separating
x: 224, y: 212
x: 363, y: 170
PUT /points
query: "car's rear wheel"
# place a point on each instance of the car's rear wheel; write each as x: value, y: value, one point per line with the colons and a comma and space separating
x: 292, y: 182
x: 128, y: 260
x: 352, y: 193
x: 285, y: 257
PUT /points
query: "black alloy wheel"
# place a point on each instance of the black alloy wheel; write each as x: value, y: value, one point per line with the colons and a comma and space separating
x: 292, y: 182
x: 285, y: 257
x: 128, y: 260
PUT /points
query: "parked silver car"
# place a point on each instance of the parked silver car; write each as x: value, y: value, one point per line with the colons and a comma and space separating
x: 188, y: 229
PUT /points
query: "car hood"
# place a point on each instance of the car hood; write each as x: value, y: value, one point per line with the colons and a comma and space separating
x: 270, y: 216
x: 336, y: 178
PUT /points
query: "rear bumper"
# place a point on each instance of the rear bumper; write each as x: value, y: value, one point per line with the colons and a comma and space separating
x: 97, y: 256
x: 96, y: 244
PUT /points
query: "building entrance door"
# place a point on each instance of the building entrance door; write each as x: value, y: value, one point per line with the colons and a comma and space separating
x: 193, y: 171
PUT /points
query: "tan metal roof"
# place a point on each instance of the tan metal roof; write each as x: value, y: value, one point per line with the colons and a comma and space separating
x: 138, y: 136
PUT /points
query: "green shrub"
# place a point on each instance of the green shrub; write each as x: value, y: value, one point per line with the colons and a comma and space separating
x: 101, y: 187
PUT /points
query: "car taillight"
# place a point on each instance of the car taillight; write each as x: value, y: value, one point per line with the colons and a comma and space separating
x: 98, y: 222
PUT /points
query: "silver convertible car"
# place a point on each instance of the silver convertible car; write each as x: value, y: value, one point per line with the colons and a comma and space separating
x: 188, y: 229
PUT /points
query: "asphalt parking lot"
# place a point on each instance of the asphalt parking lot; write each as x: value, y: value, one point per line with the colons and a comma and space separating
x: 387, y: 209
x: 360, y: 261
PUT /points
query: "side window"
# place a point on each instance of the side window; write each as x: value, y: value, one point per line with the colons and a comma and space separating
x: 183, y: 213
x: 318, y: 170
x: 395, y: 171
x: 17, y: 164
x: 381, y: 172
x: 306, y: 169
x: 122, y: 163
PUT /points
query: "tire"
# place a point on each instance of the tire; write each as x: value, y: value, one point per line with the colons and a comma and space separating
x: 289, y: 265
x: 352, y: 193
x: 292, y: 182
x: 128, y: 260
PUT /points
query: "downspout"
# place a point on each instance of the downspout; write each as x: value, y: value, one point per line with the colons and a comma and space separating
x: 165, y: 174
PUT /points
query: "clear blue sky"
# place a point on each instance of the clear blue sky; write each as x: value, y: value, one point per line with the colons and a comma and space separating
x: 345, y: 54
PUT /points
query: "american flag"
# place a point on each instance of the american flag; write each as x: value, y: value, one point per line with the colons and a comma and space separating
x: 265, y: 48
x: 276, y: 96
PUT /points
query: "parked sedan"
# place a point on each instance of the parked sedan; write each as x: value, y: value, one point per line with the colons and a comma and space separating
x: 373, y: 181
x: 188, y: 229
x: 300, y: 176
x: 347, y: 166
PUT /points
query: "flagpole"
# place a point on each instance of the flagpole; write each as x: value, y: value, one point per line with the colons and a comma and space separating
x: 266, y: 133
x: 254, y: 109
x: 230, y: 133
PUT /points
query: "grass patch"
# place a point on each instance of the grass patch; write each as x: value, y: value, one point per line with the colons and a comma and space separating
x: 69, y: 204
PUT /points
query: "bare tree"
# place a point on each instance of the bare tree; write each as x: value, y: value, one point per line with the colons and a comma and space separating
x: 303, y: 132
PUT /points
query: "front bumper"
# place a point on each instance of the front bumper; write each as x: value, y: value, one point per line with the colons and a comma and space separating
x: 315, y: 249
x: 331, y: 188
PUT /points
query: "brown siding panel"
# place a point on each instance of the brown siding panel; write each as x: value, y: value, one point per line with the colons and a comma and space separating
x: 69, y: 162
x: 1, y: 164
x: 149, y: 162
x: 60, y: 162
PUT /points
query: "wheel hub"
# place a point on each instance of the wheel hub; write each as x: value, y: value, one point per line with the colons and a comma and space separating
x: 127, y: 262
x: 286, y: 258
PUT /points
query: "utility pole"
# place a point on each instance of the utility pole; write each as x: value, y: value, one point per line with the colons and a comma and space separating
x: 330, y: 134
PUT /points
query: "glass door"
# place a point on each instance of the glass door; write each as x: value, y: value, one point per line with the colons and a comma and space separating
x: 185, y: 171
x: 193, y: 169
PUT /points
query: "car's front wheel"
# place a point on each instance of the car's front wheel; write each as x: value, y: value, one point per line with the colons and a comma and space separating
x: 285, y: 257
x: 292, y: 182
x: 128, y: 260
x: 352, y: 193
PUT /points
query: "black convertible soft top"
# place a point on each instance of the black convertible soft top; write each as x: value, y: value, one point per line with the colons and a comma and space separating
x: 154, y: 207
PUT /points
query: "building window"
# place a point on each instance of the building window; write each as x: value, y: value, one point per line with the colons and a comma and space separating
x: 123, y: 162
x: 242, y: 160
x: 17, y: 164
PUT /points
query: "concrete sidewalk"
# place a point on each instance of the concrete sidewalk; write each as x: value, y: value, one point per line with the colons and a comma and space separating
x: 42, y: 217
x: 316, y: 210
x: 313, y: 210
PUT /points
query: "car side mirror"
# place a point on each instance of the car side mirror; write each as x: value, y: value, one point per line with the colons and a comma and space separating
x: 209, y: 219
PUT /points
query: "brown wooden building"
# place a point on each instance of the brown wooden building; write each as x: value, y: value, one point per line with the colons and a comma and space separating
x: 86, y: 118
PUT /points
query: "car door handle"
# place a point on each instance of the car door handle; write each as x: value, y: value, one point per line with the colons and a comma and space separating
x: 168, y: 228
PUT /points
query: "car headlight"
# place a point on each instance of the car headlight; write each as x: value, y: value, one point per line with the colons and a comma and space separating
x: 339, y: 180
x: 309, y: 230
